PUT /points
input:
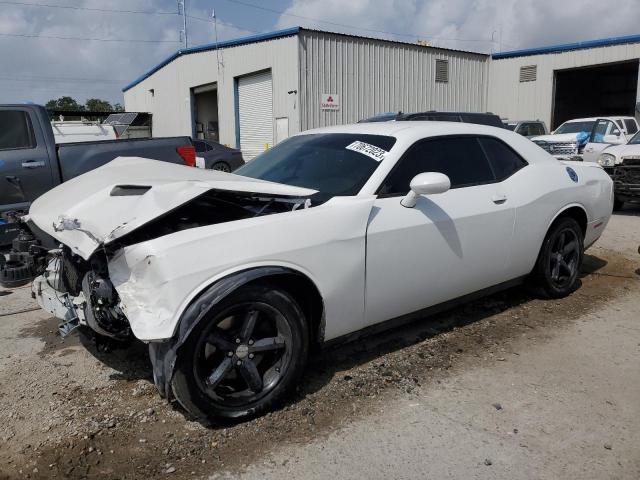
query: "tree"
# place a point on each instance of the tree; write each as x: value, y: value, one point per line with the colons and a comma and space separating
x: 64, y: 103
x: 97, y: 105
x: 118, y: 108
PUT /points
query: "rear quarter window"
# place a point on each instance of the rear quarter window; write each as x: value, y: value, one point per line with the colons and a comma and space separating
x: 503, y: 159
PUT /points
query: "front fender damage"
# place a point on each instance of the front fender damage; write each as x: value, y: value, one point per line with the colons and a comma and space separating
x: 163, y: 354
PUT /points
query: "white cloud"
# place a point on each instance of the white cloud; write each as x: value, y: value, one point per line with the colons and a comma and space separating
x: 34, y: 68
x: 470, y: 24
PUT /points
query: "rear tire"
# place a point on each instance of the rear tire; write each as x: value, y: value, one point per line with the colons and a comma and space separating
x: 221, y: 167
x: 245, y: 358
x: 560, y: 258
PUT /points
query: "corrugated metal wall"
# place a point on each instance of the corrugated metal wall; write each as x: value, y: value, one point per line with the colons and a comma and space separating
x: 372, y: 76
x: 510, y: 98
x: 171, y: 101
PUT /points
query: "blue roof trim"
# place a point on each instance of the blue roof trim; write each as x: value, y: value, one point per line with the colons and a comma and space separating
x: 565, y: 47
x: 261, y: 37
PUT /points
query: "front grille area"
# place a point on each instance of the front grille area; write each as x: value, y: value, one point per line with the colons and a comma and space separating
x: 73, y: 270
x: 557, y: 148
x: 626, y: 178
x: 631, y: 161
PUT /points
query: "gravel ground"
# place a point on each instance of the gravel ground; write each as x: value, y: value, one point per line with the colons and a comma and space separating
x: 507, y: 387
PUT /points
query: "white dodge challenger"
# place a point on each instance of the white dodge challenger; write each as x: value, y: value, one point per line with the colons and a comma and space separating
x: 232, y: 278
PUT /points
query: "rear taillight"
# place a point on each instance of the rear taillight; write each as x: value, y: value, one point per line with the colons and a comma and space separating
x: 188, y: 154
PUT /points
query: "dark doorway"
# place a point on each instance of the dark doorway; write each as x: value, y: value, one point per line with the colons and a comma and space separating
x: 604, y: 90
x: 205, y: 112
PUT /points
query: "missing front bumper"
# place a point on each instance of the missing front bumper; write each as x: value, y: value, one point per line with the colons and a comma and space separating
x: 68, y: 310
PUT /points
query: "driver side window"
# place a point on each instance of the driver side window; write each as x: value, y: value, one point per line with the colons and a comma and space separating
x: 460, y: 158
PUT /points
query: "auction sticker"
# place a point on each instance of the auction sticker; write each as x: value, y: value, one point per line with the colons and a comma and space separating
x: 367, y: 149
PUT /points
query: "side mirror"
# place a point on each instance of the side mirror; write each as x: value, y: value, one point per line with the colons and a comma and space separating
x: 429, y: 183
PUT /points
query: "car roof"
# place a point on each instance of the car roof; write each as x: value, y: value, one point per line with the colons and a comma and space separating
x: 398, y: 129
x: 593, y: 119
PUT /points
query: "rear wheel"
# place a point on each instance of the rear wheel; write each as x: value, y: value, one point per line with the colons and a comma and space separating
x: 244, y: 359
x: 560, y: 258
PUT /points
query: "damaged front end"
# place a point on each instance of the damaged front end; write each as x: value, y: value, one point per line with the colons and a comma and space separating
x: 80, y: 291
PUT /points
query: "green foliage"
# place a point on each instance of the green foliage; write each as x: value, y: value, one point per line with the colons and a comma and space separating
x: 64, y: 103
x: 91, y: 105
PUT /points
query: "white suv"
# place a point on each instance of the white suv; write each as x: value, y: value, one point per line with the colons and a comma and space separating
x: 585, y: 138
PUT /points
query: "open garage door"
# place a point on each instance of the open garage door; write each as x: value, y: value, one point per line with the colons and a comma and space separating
x: 255, y: 113
x: 603, y: 90
x: 205, y: 112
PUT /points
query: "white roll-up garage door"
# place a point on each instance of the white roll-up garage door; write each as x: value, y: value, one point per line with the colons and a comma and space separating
x: 255, y: 112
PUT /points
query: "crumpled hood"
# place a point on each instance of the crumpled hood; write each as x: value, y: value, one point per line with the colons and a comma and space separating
x: 107, y: 203
x: 560, y: 138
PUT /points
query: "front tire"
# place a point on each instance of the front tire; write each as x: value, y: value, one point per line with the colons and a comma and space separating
x: 244, y: 359
x: 560, y: 258
x: 221, y: 167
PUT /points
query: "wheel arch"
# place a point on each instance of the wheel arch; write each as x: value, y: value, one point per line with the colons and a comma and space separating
x: 298, y: 284
x: 575, y: 211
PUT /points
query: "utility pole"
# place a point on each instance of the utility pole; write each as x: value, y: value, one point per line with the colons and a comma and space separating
x: 182, y: 9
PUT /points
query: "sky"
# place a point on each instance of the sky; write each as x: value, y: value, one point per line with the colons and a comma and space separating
x: 87, y: 49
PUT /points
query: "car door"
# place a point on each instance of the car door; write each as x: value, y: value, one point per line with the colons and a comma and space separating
x: 604, y: 133
x: 24, y: 161
x: 449, y: 244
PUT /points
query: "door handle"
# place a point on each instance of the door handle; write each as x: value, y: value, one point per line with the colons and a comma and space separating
x: 499, y: 199
x: 32, y: 164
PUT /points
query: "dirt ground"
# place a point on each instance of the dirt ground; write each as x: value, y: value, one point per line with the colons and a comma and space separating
x: 510, y: 386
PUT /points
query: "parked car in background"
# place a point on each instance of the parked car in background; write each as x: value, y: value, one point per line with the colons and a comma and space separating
x: 218, y: 157
x: 488, y: 118
x: 422, y: 213
x: 622, y: 163
x: 527, y: 128
x: 31, y: 162
x: 586, y: 137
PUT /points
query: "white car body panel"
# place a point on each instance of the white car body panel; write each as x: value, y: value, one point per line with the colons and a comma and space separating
x: 156, y: 280
x: 370, y: 258
x: 456, y: 241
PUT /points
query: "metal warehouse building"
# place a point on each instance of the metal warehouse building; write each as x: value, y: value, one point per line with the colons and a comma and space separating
x: 562, y: 82
x: 255, y: 91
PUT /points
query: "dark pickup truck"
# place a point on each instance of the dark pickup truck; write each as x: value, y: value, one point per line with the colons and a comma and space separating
x: 31, y: 163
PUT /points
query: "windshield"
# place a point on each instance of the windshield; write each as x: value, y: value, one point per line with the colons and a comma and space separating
x: 510, y: 126
x: 575, y: 127
x: 332, y: 163
x: 635, y: 140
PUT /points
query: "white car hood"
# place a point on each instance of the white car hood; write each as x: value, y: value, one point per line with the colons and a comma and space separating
x: 560, y: 138
x: 84, y: 215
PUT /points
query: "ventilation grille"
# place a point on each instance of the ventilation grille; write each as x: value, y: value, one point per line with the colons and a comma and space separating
x: 442, y: 71
x: 528, y: 73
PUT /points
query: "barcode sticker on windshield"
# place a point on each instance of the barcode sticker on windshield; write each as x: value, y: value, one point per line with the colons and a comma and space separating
x: 369, y: 150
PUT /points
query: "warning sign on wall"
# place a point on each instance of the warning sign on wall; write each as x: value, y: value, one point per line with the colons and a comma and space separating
x: 329, y: 101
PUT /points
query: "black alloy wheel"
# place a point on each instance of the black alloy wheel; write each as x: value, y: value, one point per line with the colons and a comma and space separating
x: 560, y: 258
x: 244, y: 359
x: 242, y: 354
x: 563, y: 258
